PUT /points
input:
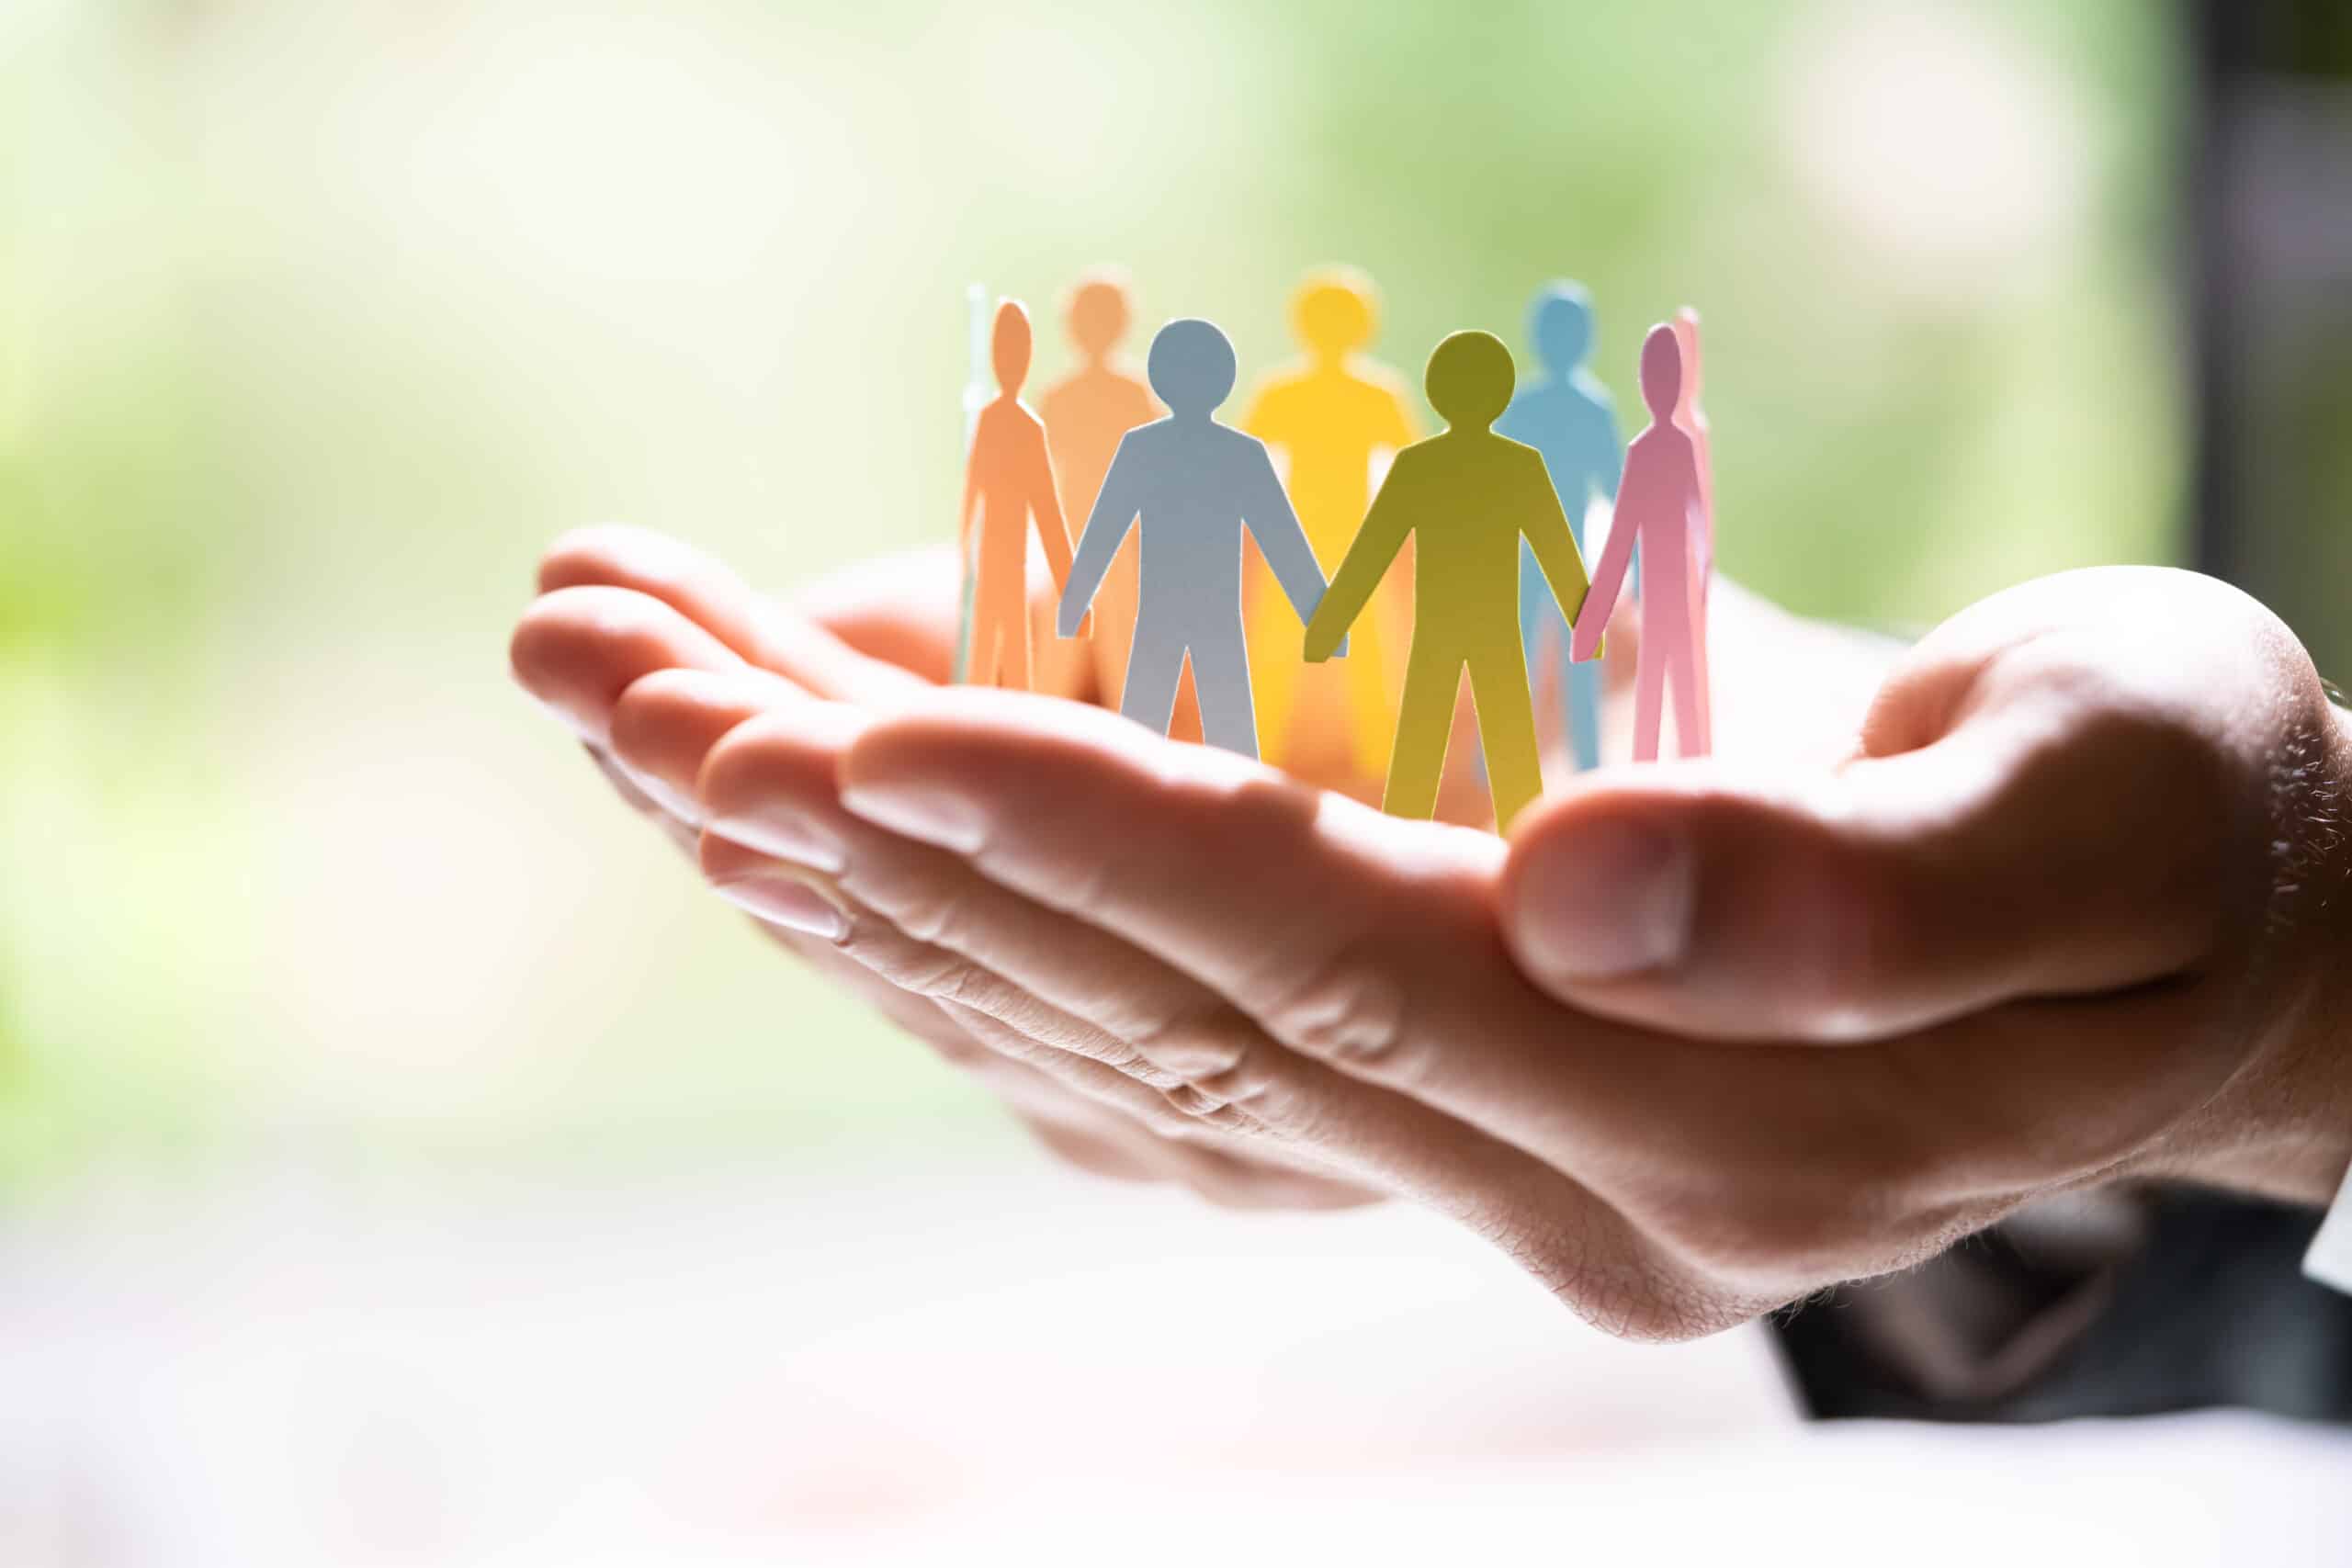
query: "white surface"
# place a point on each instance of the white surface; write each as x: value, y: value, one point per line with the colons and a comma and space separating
x: 2330, y: 1258
x: 949, y: 1364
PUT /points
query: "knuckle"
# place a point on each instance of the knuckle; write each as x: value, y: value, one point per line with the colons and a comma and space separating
x: 1193, y: 1047
x: 1847, y: 969
x: 923, y: 970
x: 952, y: 979
x: 735, y: 770
x: 930, y: 915
x: 1347, y: 1010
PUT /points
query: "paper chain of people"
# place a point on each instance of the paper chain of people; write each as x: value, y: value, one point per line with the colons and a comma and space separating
x: 1510, y: 477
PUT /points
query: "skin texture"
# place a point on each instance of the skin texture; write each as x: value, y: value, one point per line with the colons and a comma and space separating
x: 2055, y: 898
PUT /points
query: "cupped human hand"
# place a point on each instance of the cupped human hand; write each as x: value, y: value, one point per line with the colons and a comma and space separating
x: 2065, y: 906
x: 650, y: 652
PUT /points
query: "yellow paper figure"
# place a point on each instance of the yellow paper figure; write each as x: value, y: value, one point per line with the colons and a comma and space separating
x: 1330, y: 415
x: 1086, y: 412
x: 1467, y: 497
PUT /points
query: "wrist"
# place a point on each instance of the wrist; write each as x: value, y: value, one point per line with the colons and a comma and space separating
x: 2330, y: 1043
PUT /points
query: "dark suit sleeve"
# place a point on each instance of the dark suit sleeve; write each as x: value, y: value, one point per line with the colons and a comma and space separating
x: 2168, y: 1300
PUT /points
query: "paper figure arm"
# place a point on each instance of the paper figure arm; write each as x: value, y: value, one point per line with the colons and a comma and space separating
x: 1267, y: 513
x: 1045, y: 505
x: 1386, y: 528
x: 1546, y: 530
x: 1601, y: 602
x: 1098, y: 545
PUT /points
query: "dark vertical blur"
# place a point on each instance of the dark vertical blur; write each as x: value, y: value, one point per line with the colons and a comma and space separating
x: 2269, y: 207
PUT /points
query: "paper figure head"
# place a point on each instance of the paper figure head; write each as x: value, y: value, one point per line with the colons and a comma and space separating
x: 1559, y: 324
x: 1661, y: 371
x: 1009, y: 349
x: 1190, y: 367
x: 1335, y: 311
x: 1686, y: 335
x: 1470, y: 379
x: 1098, y: 313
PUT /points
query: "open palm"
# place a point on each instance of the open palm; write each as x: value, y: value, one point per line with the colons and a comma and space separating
x: 1698, y: 1039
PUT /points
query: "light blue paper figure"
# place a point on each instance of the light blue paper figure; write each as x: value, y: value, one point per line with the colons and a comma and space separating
x: 1567, y: 415
x: 1192, y: 485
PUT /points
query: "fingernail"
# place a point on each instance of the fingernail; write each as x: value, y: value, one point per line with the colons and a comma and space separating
x: 930, y: 813
x: 1610, y: 900
x: 785, y: 902
x: 682, y: 806
x: 786, y: 834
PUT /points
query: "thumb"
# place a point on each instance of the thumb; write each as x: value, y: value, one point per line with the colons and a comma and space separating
x: 2052, y: 846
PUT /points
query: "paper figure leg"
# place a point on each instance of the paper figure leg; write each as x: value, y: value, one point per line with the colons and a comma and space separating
x: 1582, y: 682
x: 1422, y: 726
x: 1019, y: 672
x: 993, y: 645
x: 1689, y: 723
x: 1506, y: 733
x: 1152, y: 673
x: 1649, y: 695
x: 1366, y: 669
x: 1702, y: 676
x: 1544, y: 634
x: 1001, y: 620
x: 1004, y: 646
x: 1114, y: 621
x: 1277, y: 660
x: 982, y: 671
x: 1221, y: 677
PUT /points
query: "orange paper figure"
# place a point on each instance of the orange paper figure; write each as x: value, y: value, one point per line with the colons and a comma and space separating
x: 1660, y: 506
x: 1693, y: 421
x: 1467, y: 497
x: 1331, y: 415
x: 1086, y: 412
x: 1008, y: 479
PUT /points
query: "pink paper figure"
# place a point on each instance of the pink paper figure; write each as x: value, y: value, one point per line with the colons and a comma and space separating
x: 1692, y: 420
x: 1660, y: 505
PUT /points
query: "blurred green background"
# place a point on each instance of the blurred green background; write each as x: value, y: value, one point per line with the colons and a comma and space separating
x: 317, y: 321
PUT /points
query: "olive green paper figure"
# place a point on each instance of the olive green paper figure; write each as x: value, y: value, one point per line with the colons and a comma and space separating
x: 1465, y: 497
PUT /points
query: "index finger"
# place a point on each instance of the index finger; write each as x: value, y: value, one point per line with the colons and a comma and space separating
x: 707, y: 593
